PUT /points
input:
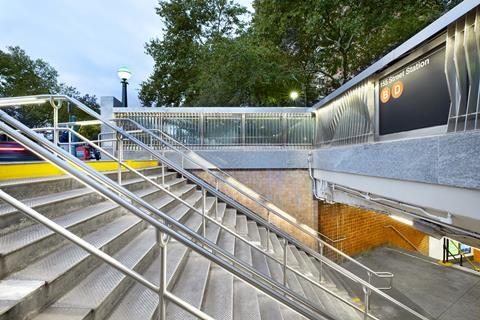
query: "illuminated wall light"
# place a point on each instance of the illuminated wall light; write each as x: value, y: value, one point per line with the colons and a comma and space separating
x: 402, y: 220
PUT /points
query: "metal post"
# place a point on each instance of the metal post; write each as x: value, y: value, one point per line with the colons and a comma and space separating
x: 216, y: 201
x: 321, y: 262
x: 163, y: 174
x: 119, y: 157
x: 162, y: 254
x: 72, y: 152
x: 268, y: 231
x: 55, y: 125
x: 366, y: 301
x: 204, y: 205
x: 285, y: 243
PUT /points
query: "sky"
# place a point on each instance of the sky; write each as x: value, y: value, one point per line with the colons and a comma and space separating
x: 86, y: 41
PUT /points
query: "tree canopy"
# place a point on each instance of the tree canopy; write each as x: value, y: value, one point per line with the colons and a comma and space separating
x: 214, y: 53
x: 21, y: 75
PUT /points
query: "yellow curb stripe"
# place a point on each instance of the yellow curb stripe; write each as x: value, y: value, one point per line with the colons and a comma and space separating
x: 44, y: 169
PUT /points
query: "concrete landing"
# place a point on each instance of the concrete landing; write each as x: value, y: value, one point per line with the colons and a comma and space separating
x: 436, y: 291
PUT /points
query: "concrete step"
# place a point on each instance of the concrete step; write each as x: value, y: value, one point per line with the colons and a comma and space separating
x: 253, y: 233
x: 241, y: 225
x: 27, y: 188
x: 302, y: 265
x: 276, y: 271
x: 62, y: 269
x: 289, y: 314
x: 59, y: 203
x: 141, y: 303
x: 245, y: 304
x: 277, y: 245
x: 269, y: 308
x: 218, y: 302
x: 230, y: 219
x: 264, y: 238
x: 310, y: 266
x: 19, y: 248
x: 100, y: 290
x: 259, y: 261
x: 334, y: 306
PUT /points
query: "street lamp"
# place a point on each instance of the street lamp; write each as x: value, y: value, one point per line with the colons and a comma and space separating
x: 294, y: 95
x: 124, y: 74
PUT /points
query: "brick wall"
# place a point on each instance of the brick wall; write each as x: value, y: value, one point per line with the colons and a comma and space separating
x: 290, y: 190
x: 366, y: 229
x: 476, y: 255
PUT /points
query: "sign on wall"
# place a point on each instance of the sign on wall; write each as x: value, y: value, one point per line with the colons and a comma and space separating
x: 415, y: 96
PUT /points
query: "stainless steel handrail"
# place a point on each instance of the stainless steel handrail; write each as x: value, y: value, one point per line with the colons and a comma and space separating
x: 212, y: 220
x: 206, y: 217
x: 102, y: 182
x: 100, y: 254
x: 269, y: 207
x: 114, y: 192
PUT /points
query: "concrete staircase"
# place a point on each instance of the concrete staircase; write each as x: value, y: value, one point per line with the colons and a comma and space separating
x: 45, y: 277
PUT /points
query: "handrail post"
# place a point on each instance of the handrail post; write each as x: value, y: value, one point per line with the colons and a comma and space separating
x: 162, y: 254
x: 163, y: 175
x: 55, y: 123
x: 72, y: 152
x: 119, y: 157
x: 285, y: 243
x: 216, y: 201
x: 366, y: 301
x: 321, y: 262
x: 268, y: 231
x: 204, y: 205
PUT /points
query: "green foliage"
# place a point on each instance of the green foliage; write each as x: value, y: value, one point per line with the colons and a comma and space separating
x: 209, y: 57
x: 21, y: 75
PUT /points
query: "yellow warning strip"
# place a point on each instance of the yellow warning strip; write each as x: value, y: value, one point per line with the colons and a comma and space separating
x: 44, y: 169
x: 445, y: 264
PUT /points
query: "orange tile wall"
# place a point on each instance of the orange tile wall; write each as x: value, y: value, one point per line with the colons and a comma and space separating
x: 476, y: 255
x: 290, y: 190
x: 366, y: 229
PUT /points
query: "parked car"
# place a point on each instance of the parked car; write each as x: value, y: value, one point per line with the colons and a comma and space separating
x: 13, y: 151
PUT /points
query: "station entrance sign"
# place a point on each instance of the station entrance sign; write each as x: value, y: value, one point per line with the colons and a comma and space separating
x: 415, y: 96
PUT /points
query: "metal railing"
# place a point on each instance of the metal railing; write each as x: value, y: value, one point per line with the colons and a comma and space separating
x: 401, y: 235
x: 167, y: 225
x: 201, y: 212
x: 238, y: 187
x: 212, y: 128
x: 113, y: 191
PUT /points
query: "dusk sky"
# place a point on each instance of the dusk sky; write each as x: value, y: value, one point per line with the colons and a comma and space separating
x: 86, y: 41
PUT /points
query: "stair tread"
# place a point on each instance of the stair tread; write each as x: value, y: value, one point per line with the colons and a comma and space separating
x: 218, y: 301
x: 94, y: 289
x: 246, y: 302
x: 241, y: 225
x: 61, y: 196
x: 54, y: 264
x: 230, y: 218
x: 269, y: 308
x: 264, y: 238
x: 309, y: 264
x: 253, y: 233
x: 21, y: 238
x: 190, y: 286
x: 140, y: 302
x: 277, y: 246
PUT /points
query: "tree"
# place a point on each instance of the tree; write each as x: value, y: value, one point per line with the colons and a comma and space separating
x: 331, y: 41
x: 21, y: 75
x: 208, y: 57
x: 190, y: 27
